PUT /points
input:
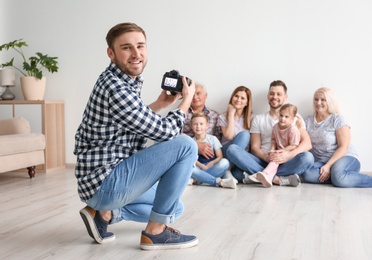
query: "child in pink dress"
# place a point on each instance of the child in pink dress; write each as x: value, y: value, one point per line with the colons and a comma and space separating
x: 285, y: 135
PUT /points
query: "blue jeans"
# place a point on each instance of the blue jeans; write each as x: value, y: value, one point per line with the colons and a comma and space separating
x: 242, y: 140
x: 344, y: 174
x: 148, y: 185
x: 249, y: 163
x: 210, y: 175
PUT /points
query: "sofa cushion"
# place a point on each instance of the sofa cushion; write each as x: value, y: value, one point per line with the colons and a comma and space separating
x: 21, y: 143
x: 15, y: 125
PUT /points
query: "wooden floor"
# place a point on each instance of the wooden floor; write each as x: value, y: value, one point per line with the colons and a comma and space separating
x: 39, y: 219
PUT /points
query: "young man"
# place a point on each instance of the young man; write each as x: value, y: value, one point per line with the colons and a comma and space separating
x: 117, y: 177
x: 292, y: 163
x: 197, y: 106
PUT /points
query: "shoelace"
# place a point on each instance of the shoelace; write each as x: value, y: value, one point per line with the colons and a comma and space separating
x: 175, y: 231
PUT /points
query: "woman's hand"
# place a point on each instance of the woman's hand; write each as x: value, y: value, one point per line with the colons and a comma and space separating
x: 231, y: 110
x: 325, y: 173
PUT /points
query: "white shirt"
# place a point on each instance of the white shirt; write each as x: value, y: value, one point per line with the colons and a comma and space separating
x: 263, y: 124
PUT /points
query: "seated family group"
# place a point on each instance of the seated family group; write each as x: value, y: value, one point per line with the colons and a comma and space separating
x: 277, y: 147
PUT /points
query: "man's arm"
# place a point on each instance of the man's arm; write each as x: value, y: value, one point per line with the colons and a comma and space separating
x: 282, y: 156
x: 256, y: 147
x: 205, y: 149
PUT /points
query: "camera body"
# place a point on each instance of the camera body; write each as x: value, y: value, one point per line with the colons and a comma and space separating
x: 172, y: 81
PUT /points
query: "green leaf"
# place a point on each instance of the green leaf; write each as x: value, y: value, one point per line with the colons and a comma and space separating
x: 34, y: 64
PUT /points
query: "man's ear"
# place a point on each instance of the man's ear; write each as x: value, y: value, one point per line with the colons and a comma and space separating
x: 111, y: 54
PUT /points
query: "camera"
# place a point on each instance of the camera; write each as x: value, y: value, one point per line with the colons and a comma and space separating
x: 172, y: 81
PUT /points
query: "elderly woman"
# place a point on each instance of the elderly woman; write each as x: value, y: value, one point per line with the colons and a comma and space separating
x: 336, y: 160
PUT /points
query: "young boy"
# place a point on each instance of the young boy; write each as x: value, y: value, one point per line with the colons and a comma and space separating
x: 211, y: 170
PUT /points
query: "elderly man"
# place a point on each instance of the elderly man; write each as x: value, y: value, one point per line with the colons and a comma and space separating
x: 197, y: 106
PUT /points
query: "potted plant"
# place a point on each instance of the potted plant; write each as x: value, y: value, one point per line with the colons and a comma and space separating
x: 32, y: 69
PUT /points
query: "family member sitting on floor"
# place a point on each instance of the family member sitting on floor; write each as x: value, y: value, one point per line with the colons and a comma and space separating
x: 292, y: 163
x: 209, y: 170
x: 336, y: 160
x: 197, y: 106
x: 285, y: 136
x: 236, y: 121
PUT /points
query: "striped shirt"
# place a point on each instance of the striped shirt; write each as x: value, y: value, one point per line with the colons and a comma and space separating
x: 115, y: 125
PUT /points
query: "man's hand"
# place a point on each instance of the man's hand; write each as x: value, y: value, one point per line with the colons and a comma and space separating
x: 205, y: 149
x: 168, y: 99
x: 164, y: 100
x: 280, y: 156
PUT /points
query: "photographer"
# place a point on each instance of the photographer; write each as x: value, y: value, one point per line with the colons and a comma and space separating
x: 117, y: 177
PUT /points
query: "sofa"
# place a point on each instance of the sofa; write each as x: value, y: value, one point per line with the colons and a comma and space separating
x: 19, y: 148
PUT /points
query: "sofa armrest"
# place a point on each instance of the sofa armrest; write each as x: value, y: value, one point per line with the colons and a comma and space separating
x: 15, y: 125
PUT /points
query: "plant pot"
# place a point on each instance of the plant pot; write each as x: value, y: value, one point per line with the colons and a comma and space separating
x: 33, y: 88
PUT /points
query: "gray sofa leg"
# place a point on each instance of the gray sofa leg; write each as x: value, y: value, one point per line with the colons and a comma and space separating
x: 31, y: 171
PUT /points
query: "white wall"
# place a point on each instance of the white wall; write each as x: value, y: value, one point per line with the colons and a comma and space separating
x: 224, y: 44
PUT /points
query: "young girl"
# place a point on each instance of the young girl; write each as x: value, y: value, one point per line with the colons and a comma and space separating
x: 285, y: 136
x: 210, y: 170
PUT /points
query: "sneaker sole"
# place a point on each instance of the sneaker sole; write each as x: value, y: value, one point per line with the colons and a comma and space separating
x: 93, y: 233
x: 253, y: 179
x: 170, y: 246
x: 298, y: 179
x: 263, y: 180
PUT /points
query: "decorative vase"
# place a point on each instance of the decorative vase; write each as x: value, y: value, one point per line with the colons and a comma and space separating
x: 33, y: 88
x: 7, y: 95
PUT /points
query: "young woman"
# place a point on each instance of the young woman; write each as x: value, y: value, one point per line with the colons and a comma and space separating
x: 236, y: 121
x: 336, y: 160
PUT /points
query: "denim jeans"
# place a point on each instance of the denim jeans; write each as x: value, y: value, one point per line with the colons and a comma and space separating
x: 344, y: 174
x: 242, y: 140
x: 148, y: 185
x: 246, y: 162
x: 210, y: 175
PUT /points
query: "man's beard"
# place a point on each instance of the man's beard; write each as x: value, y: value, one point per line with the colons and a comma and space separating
x: 127, y: 70
x: 277, y: 106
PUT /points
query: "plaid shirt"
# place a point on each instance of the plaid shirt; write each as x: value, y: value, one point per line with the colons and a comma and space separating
x: 116, y: 124
x: 213, y: 129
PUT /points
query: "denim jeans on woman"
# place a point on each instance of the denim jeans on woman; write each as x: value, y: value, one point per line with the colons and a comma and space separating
x: 242, y: 140
x: 344, y: 174
x: 246, y: 162
x: 210, y: 175
x: 148, y: 185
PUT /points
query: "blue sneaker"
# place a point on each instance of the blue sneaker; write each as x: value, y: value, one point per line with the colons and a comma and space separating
x: 96, y: 225
x: 169, y: 239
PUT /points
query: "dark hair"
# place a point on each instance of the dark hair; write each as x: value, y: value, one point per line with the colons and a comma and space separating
x: 277, y: 83
x: 247, y: 112
x: 119, y: 29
